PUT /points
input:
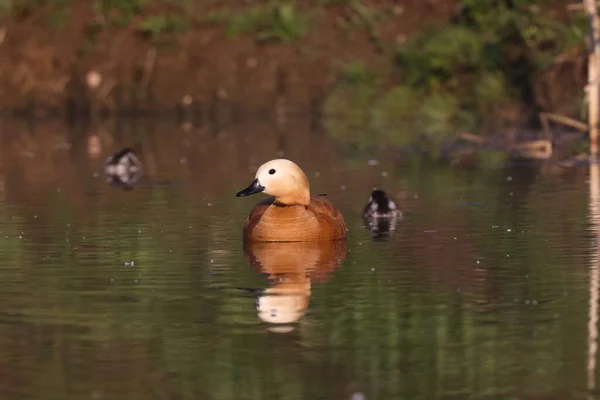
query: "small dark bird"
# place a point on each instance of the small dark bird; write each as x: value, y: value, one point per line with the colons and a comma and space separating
x: 381, y: 214
x: 123, y: 168
x: 381, y: 206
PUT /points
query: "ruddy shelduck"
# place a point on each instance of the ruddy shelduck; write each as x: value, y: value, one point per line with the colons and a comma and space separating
x: 290, y: 214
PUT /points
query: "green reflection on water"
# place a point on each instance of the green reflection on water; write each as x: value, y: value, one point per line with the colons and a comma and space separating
x: 481, y: 292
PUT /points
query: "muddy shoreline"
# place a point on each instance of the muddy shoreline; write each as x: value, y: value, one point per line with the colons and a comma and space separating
x: 117, y: 67
x: 82, y: 67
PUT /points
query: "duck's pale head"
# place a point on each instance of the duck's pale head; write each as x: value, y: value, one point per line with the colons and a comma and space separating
x: 282, y: 179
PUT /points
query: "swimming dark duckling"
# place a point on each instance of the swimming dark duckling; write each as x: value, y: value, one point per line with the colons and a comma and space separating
x: 123, y: 168
x: 381, y: 206
x: 381, y: 214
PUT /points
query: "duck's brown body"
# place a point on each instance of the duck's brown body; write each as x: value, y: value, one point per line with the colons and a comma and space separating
x: 270, y: 221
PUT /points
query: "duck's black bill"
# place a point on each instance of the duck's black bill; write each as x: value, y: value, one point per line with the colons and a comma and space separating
x: 255, y: 187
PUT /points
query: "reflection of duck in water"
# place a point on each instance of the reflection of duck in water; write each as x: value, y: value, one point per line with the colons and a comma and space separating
x: 291, y: 268
x: 381, y: 213
x: 123, y: 168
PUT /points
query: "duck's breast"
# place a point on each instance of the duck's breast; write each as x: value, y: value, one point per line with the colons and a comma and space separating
x: 269, y: 222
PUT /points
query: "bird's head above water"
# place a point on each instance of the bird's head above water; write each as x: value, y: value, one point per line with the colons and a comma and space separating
x: 282, y: 179
x: 380, y: 202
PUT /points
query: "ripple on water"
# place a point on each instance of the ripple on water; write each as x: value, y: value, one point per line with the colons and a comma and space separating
x: 480, y: 291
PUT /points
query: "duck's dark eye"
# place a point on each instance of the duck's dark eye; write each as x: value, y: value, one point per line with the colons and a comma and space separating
x: 271, y: 171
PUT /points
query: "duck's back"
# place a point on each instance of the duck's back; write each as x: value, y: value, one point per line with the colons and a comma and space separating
x: 270, y: 222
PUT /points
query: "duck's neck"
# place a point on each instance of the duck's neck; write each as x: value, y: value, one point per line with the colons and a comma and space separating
x: 297, y: 197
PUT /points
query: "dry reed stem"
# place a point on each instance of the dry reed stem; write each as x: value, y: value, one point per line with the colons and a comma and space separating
x: 469, y: 137
x: 534, y: 149
x: 148, y: 69
x: 546, y: 117
x: 593, y: 87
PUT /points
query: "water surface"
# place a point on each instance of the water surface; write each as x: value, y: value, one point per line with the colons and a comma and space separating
x: 482, y: 291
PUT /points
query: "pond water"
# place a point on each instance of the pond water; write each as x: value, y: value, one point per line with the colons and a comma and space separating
x: 482, y: 291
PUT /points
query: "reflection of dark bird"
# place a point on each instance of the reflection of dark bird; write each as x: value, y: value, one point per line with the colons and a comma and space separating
x: 123, y: 168
x: 381, y: 213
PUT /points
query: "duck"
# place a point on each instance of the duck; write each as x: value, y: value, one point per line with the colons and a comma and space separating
x: 380, y: 205
x: 381, y: 214
x: 123, y: 168
x: 290, y: 213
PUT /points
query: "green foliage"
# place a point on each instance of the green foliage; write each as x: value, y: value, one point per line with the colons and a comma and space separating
x: 582, y: 108
x: 356, y: 73
x: 491, y: 38
x: 465, y: 74
x: 432, y: 58
x: 59, y: 18
x: 163, y: 24
x: 364, y: 117
x: 440, y: 117
x: 491, y: 87
x: 280, y: 22
x: 362, y: 16
x: 392, y: 116
x: 347, y: 114
x: 6, y: 6
x: 216, y: 17
x: 118, y: 13
x: 17, y: 7
x: 250, y: 20
x: 59, y: 14
x: 334, y: 2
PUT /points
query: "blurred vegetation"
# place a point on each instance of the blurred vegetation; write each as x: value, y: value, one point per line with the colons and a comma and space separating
x: 269, y: 20
x: 475, y: 73
x: 162, y: 24
x: 276, y: 21
x: 466, y: 76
